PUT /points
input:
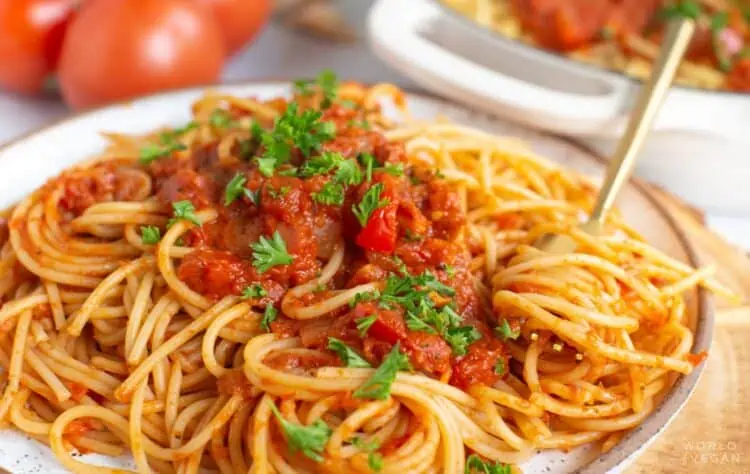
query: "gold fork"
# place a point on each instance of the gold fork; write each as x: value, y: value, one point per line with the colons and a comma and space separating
x: 650, y: 99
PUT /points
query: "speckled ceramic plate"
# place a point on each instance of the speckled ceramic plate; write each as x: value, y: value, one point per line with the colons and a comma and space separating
x: 28, y: 162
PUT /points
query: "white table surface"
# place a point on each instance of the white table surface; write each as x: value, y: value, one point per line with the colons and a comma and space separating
x: 280, y: 54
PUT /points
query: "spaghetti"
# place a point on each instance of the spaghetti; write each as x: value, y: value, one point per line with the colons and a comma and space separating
x: 624, y: 35
x: 305, y: 286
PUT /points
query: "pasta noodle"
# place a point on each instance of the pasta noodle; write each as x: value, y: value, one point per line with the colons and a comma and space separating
x: 153, y: 305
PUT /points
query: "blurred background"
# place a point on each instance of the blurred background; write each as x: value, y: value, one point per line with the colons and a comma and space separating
x: 568, y: 67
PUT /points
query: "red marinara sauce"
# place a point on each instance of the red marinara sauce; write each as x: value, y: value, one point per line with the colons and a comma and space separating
x: 416, y: 228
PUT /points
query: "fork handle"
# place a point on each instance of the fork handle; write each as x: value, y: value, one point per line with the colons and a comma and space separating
x: 650, y: 99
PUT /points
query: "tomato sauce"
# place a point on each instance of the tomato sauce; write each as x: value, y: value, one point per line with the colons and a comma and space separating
x: 417, y: 227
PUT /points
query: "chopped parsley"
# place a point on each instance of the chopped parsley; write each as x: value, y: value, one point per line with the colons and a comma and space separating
x: 368, y: 161
x: 348, y: 173
x: 682, y: 8
x: 269, y: 315
x: 221, y: 118
x: 363, y: 325
x: 253, y: 292
x: 500, y: 367
x: 461, y: 338
x: 449, y: 270
x: 369, y: 203
x: 311, y: 440
x: 506, y: 332
x: 331, y: 194
x: 304, y: 131
x: 393, y: 169
x: 414, y: 323
x: 475, y: 465
x: 152, y: 152
x: 321, y: 164
x: 150, y: 235
x: 374, y: 459
x: 269, y: 253
x: 413, y: 293
x: 235, y: 189
x: 347, y: 355
x: 378, y: 386
x: 326, y: 81
x: 277, y: 193
x: 184, y: 210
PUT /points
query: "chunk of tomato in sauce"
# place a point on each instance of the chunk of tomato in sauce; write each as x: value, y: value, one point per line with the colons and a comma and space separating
x: 214, y: 273
x: 478, y: 365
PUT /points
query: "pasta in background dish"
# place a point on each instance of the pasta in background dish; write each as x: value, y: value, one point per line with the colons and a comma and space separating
x: 624, y: 35
x: 307, y: 286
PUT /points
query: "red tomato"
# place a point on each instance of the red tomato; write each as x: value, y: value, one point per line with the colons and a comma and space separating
x: 381, y: 231
x: 31, y: 33
x: 240, y: 20
x: 119, y: 49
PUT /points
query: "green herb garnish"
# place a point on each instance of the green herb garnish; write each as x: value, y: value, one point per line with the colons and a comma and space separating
x: 378, y: 386
x: 369, y: 203
x: 475, y: 465
x: 253, y: 292
x: 150, y: 235
x: 269, y: 253
x: 184, y: 210
x: 348, y: 356
x: 506, y: 332
x: 311, y: 440
x: 269, y: 315
x: 363, y: 325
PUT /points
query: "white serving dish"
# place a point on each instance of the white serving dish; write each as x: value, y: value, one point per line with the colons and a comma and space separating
x: 700, y: 145
x: 30, y: 161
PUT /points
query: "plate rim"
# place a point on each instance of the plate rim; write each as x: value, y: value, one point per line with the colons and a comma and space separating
x: 669, y: 407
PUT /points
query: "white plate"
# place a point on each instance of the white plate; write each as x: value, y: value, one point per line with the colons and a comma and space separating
x: 28, y: 162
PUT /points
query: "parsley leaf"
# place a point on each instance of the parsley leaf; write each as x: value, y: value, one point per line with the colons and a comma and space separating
x: 415, y: 324
x: 253, y: 292
x: 363, y: 325
x: 331, y: 194
x: 235, y: 188
x: 374, y: 459
x: 378, y: 386
x: 368, y: 161
x: 500, y: 367
x: 152, y: 152
x: 269, y: 316
x: 266, y: 166
x: 506, y: 332
x: 329, y: 84
x: 184, y: 210
x: 321, y: 164
x: 150, y: 234
x: 220, y: 118
x: 348, y: 173
x: 347, y: 355
x: 304, y: 131
x: 461, y: 338
x: 369, y: 203
x: 682, y: 8
x: 394, y: 169
x: 475, y: 465
x: 270, y: 253
x: 326, y: 81
x: 364, y: 296
x: 311, y: 440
